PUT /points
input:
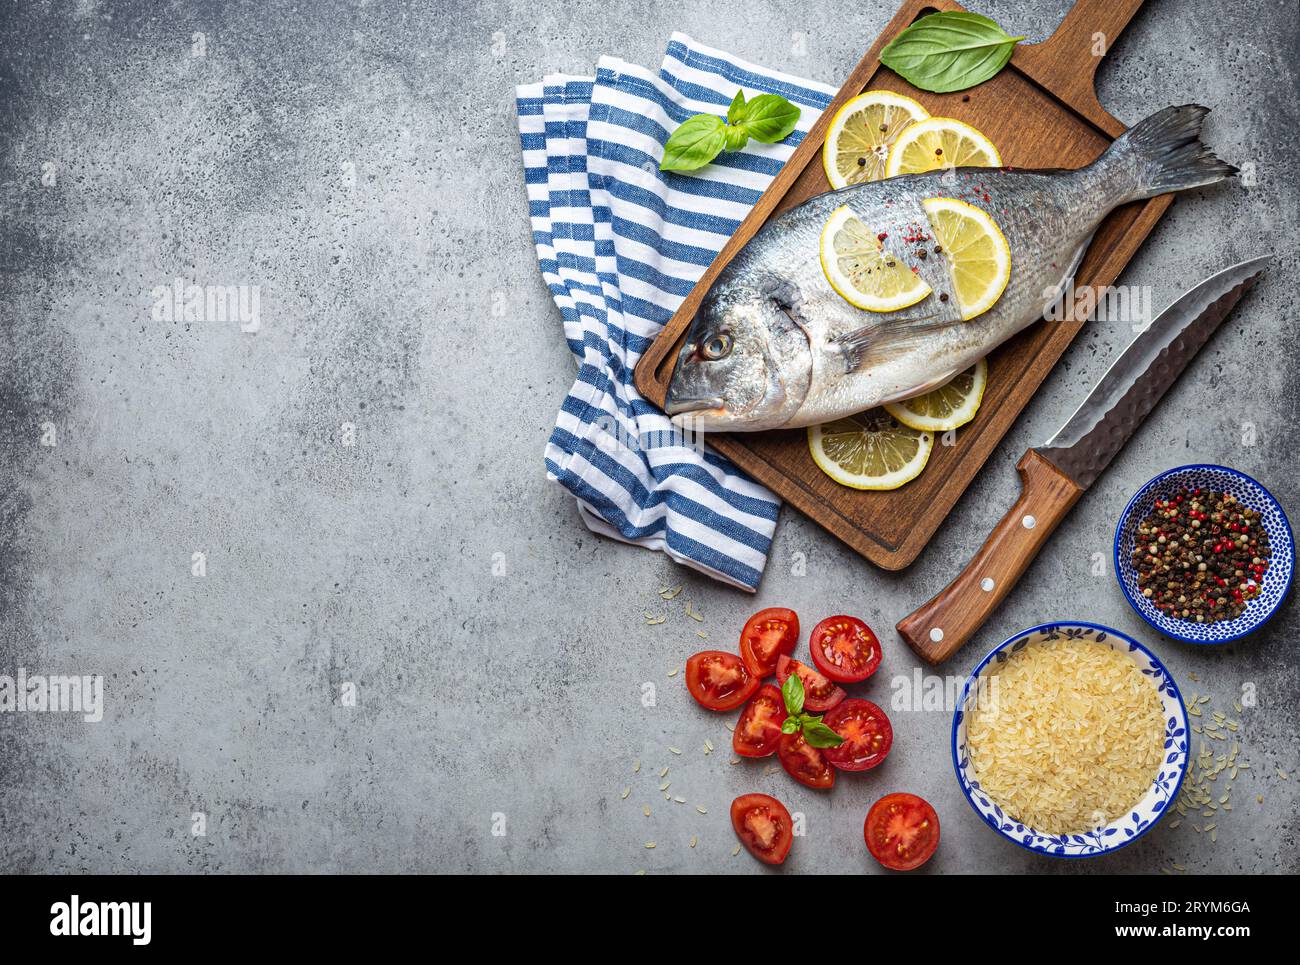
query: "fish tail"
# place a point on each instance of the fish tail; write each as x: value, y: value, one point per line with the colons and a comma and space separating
x: 1164, y: 153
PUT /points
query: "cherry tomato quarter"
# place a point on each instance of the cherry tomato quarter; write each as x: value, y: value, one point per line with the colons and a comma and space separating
x: 866, y: 732
x: 902, y: 831
x: 763, y: 826
x: 844, y: 649
x: 768, y: 634
x: 718, y: 680
x: 819, y: 694
x: 805, y: 763
x: 759, y: 729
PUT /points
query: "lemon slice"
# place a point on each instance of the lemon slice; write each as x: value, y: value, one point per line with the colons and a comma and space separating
x: 976, y: 252
x: 940, y: 142
x: 946, y: 407
x: 859, y: 267
x: 861, y: 132
x: 869, y: 450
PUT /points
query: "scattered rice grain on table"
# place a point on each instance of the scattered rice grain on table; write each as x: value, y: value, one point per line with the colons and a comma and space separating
x: 1076, y: 730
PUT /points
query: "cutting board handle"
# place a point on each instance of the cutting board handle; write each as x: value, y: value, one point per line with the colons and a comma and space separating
x: 939, y: 628
x: 1066, y: 62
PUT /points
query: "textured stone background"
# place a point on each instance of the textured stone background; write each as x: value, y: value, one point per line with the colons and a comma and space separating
x: 359, y: 162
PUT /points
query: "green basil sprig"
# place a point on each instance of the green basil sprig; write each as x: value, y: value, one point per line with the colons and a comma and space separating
x: 949, y: 51
x: 698, y: 140
x: 814, y: 731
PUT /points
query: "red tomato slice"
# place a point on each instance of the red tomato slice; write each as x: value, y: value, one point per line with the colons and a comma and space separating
x: 845, y: 649
x: 759, y: 729
x: 866, y: 731
x: 768, y: 634
x: 763, y: 825
x: 902, y: 831
x: 805, y: 763
x: 719, y: 680
x: 819, y: 694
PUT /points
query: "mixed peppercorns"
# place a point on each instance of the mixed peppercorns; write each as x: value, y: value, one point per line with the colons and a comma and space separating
x: 1200, y: 556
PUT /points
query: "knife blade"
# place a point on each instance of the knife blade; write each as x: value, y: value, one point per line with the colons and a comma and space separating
x: 1054, y: 475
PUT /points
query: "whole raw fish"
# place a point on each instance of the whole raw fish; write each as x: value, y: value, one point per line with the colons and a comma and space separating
x: 774, y: 346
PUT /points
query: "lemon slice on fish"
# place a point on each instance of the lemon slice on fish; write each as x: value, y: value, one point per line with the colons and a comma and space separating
x: 975, y: 250
x: 861, y: 132
x: 862, y: 270
x: 940, y: 142
x: 946, y: 407
x: 870, y: 450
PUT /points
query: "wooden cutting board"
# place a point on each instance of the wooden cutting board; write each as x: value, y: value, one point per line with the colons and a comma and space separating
x: 1041, y: 112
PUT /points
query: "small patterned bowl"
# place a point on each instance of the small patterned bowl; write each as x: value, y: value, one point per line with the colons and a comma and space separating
x: 1123, y: 830
x: 1277, y: 578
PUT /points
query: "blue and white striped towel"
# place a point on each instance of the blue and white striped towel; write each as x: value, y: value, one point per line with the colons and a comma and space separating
x: 620, y: 244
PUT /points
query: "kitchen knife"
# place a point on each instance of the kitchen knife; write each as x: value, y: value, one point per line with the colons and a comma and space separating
x: 1054, y: 475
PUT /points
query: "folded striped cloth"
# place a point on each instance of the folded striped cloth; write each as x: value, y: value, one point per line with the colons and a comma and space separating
x: 620, y: 245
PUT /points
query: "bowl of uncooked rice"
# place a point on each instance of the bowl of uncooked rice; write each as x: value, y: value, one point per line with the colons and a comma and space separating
x: 1070, y: 739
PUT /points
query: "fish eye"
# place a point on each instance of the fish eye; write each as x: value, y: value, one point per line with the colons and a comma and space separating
x: 717, y: 347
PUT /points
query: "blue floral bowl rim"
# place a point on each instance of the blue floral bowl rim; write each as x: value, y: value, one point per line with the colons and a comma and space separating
x: 979, y: 668
x: 1128, y: 511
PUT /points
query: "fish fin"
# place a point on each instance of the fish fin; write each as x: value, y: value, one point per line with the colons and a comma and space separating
x: 925, y: 387
x: 885, y: 340
x: 1169, y: 154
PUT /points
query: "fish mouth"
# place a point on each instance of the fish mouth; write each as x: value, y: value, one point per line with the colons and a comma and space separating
x: 676, y: 407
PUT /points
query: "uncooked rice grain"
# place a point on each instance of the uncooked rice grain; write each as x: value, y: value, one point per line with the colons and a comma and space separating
x: 1072, y: 740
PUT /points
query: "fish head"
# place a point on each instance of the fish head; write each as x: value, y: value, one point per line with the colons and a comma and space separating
x: 745, y: 365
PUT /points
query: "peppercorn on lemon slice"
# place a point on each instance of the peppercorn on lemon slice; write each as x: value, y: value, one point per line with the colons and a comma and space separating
x: 860, y: 268
x: 870, y: 450
x: 975, y: 250
x: 940, y: 142
x: 947, y: 407
x: 861, y: 134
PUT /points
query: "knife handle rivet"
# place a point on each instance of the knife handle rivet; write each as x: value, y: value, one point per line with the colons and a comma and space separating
x: 936, y: 635
x: 987, y: 584
x: 1029, y: 522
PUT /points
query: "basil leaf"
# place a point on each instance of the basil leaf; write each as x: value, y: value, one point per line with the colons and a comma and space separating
x: 792, y: 692
x: 736, y: 111
x: 790, y: 725
x: 736, y: 137
x: 769, y: 118
x: 949, y: 51
x: 819, y: 735
x: 696, y: 142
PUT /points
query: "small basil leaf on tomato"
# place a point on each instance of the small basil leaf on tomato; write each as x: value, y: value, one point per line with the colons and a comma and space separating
x: 792, y: 693
x: 819, y: 735
x: 789, y: 725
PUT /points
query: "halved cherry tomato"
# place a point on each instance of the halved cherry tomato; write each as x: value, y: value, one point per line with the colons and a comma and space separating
x: 844, y: 649
x: 759, y: 729
x: 805, y: 763
x: 719, y: 680
x: 768, y: 634
x: 819, y: 694
x: 763, y: 825
x: 866, y: 731
x: 902, y: 831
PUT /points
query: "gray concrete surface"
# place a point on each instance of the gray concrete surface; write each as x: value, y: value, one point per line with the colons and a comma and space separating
x: 358, y: 162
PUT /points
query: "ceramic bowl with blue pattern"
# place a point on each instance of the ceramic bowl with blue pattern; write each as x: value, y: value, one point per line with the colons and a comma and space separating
x: 1144, y: 814
x: 1277, y: 578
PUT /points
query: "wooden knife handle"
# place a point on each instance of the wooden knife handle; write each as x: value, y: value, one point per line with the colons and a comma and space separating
x: 939, y: 628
